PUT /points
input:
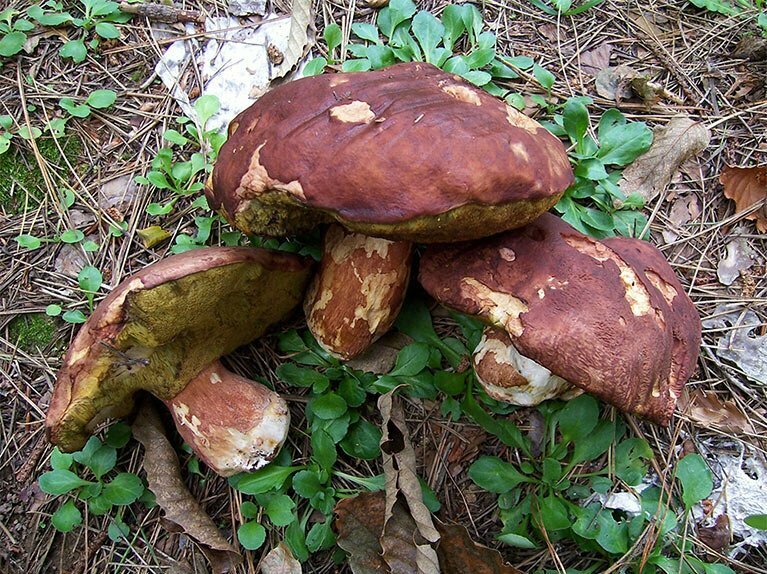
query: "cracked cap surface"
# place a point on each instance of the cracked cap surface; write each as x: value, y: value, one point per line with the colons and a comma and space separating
x: 609, y: 316
x: 408, y: 152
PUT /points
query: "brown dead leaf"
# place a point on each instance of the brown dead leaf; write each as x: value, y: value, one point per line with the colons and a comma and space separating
x: 649, y: 23
x: 380, y: 357
x: 164, y: 477
x: 402, y: 482
x: 280, y: 561
x: 747, y: 186
x: 152, y: 235
x: 751, y: 48
x: 708, y: 410
x: 614, y: 83
x: 596, y: 60
x: 360, y: 523
x: 299, y: 39
x: 463, y: 449
x: 672, y: 145
x: 716, y: 537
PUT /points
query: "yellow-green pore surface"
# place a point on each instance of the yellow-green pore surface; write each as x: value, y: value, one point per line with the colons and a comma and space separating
x: 165, y: 336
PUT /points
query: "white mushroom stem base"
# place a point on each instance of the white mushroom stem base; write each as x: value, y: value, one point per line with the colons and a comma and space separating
x: 233, y: 424
x: 508, y: 376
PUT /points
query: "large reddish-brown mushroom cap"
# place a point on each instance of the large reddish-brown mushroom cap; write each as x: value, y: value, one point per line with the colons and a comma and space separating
x: 608, y: 316
x: 358, y: 291
x: 409, y: 152
x: 160, y: 327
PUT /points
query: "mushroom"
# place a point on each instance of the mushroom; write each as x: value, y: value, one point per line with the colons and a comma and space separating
x: 608, y: 316
x: 408, y: 153
x: 357, y: 292
x: 163, y: 330
x: 508, y: 376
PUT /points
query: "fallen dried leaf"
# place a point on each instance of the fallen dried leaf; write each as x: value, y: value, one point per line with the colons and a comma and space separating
x: 672, y: 144
x: 740, y: 257
x: 380, y: 357
x: 648, y: 22
x: 152, y: 235
x: 360, y: 522
x: 164, y: 477
x: 716, y: 537
x: 280, y: 561
x: 596, y: 60
x: 741, y: 344
x: 708, y: 410
x: 399, y: 465
x: 747, y: 186
x: 614, y: 83
x: 751, y: 48
x: 298, y: 41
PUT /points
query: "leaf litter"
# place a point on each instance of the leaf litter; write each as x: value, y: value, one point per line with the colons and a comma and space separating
x: 747, y: 186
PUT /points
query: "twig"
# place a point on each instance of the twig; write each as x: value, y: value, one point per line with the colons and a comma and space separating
x: 163, y: 13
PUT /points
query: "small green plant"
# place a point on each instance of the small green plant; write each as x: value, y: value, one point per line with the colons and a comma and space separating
x: 736, y: 8
x: 88, y: 477
x: 564, y: 7
x: 95, y: 20
x: 13, y: 32
x: 594, y: 204
x: 455, y: 42
x: 89, y: 279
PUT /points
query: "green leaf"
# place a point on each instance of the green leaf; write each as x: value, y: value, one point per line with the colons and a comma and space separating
x: 279, y: 509
x: 66, y: 517
x: 480, y: 58
x: 575, y: 118
x: 452, y: 20
x: 505, y: 430
x: 12, y: 43
x: 477, y: 77
x: 103, y: 460
x: 107, y: 30
x: 333, y: 36
x: 411, y: 360
x: 362, y: 441
x: 592, y: 168
x: 328, y: 406
x: 630, y: 455
x: 118, y: 435
x: 117, y: 530
x: 72, y: 236
x: 206, y: 107
x: 101, y: 99
x: 624, y: 143
x: 366, y: 31
x: 306, y: 483
x: 495, y: 475
x: 379, y: 56
x: 516, y: 540
x: 295, y: 539
x: 61, y: 460
x: 613, y: 535
x: 74, y: 316
x: 99, y: 505
x: 553, y: 513
x: 357, y: 65
x: 595, y: 444
x: 397, y: 12
x: 320, y: 536
x: 251, y: 535
x: 76, y: 110
x: 124, y: 489
x: 323, y: 449
x: 428, y: 31
x: 48, y: 18
x: 57, y: 482
x: 578, y: 418
x: 53, y: 310
x: 28, y: 133
x: 758, y: 521
x: 696, y: 479
x: 74, y: 50
x: 28, y: 241
x: 298, y: 376
x: 716, y: 6
x: 544, y: 77
x: 315, y: 67
x: 89, y: 278
x: 268, y: 478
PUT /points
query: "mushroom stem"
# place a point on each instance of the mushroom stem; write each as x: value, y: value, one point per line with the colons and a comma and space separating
x: 232, y: 423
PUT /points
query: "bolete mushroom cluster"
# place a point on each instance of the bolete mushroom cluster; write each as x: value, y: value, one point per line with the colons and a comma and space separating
x: 383, y: 160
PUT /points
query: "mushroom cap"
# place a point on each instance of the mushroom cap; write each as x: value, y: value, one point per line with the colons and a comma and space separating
x: 409, y: 152
x: 233, y: 424
x: 160, y: 327
x: 358, y: 292
x: 508, y: 376
x: 608, y: 316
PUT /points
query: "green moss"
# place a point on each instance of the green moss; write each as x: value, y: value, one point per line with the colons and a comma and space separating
x: 21, y: 181
x: 32, y: 332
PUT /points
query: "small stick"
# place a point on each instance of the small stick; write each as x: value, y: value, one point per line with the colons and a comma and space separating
x: 163, y: 12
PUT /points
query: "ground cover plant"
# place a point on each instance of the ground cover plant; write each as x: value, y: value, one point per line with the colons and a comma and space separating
x: 564, y: 487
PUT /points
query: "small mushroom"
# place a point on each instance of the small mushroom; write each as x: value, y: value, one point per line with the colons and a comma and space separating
x: 409, y: 152
x: 508, y: 376
x: 608, y: 316
x: 166, y: 327
x: 357, y: 292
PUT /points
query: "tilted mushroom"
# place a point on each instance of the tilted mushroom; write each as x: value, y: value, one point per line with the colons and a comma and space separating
x: 508, y: 376
x: 357, y: 292
x: 163, y: 330
x: 409, y: 153
x: 608, y: 316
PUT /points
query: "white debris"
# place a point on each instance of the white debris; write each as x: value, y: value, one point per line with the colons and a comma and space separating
x: 740, y: 257
x: 741, y: 344
x: 247, y: 7
x: 232, y: 61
